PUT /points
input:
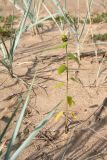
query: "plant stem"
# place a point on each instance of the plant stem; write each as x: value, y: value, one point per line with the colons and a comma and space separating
x: 67, y: 84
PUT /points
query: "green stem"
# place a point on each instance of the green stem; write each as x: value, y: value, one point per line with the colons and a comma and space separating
x: 67, y: 84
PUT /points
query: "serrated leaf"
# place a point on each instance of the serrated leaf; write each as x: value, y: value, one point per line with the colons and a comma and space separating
x: 71, y: 56
x: 70, y: 101
x: 59, y: 115
x: 59, y: 85
x: 62, y: 68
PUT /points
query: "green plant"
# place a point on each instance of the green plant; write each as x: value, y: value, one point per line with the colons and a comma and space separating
x: 7, y: 21
x: 10, y: 19
x: 60, y: 18
x: 65, y: 68
x: 2, y: 19
x: 6, y: 32
x: 31, y: 136
x: 100, y: 37
x: 97, y: 18
x: 8, y: 54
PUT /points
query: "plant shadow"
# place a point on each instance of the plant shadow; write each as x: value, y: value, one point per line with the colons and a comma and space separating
x: 82, y: 145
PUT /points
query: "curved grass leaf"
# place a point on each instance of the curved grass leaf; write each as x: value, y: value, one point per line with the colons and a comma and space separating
x: 19, y: 32
x: 27, y: 27
x: 85, y: 20
x: 10, y: 120
x: 48, y: 11
x: 19, y: 121
x: 62, y: 13
x: 34, y: 133
x: 4, y: 52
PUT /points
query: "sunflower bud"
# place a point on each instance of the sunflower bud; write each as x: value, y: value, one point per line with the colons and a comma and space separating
x: 64, y: 38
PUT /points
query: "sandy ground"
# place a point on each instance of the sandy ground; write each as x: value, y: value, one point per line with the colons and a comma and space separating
x: 89, y: 139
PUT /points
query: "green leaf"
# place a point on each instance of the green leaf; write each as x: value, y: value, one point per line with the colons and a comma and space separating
x: 59, y: 85
x: 20, y: 30
x: 19, y: 121
x: 63, y: 45
x: 34, y: 133
x: 1, y: 18
x: 71, y: 56
x: 73, y: 79
x: 70, y: 101
x: 10, y: 19
x: 62, y: 68
x: 59, y: 115
x: 39, y: 21
x: 10, y: 120
x: 0, y: 152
